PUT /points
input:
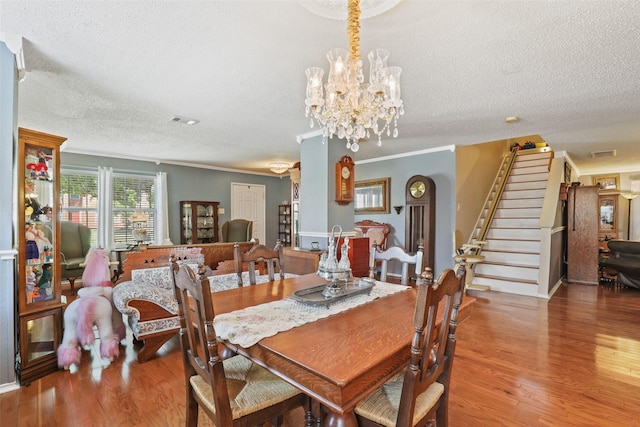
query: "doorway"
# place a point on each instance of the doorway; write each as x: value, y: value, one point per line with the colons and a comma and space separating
x: 248, y: 202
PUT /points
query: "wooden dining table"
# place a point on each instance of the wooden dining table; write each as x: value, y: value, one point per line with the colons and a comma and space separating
x: 337, y: 360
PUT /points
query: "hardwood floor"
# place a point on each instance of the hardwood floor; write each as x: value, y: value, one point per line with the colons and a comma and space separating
x: 571, y: 361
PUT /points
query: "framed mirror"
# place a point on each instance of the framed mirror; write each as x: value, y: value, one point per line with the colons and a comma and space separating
x: 608, y: 213
x: 372, y: 196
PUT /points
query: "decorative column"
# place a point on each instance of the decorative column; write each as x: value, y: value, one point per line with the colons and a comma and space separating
x: 319, y: 211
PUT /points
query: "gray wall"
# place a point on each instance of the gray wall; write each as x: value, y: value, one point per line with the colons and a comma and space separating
x: 319, y: 211
x: 8, y: 106
x: 439, y: 166
x: 190, y: 183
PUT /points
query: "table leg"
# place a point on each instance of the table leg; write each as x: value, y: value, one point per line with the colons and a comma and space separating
x: 118, y: 270
x: 348, y: 419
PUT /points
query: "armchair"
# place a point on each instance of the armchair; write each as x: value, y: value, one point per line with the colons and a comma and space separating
x: 75, y: 242
x: 624, y: 258
x: 237, y: 230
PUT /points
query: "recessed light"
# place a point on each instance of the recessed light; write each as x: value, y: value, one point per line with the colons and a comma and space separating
x: 184, y: 120
x: 511, y: 119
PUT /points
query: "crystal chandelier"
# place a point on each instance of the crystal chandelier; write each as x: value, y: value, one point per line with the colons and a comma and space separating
x: 352, y: 109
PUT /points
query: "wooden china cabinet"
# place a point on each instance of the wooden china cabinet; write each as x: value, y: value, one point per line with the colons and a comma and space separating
x: 199, y: 222
x: 39, y: 291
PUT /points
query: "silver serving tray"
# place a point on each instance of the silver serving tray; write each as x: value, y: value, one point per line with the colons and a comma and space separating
x: 327, y: 294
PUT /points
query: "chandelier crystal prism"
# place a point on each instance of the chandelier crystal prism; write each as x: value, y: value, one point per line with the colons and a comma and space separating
x: 351, y: 108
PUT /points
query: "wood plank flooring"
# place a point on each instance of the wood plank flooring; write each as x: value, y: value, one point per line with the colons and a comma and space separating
x: 571, y: 361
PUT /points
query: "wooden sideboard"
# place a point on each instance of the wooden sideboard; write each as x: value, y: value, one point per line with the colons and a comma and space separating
x: 300, y: 261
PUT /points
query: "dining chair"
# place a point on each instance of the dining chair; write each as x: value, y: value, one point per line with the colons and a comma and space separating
x: 396, y: 253
x: 258, y: 253
x: 419, y: 395
x: 234, y: 391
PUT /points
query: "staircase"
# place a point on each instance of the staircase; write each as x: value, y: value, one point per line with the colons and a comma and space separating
x: 512, y: 251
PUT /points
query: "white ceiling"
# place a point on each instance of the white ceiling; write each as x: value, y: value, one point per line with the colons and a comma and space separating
x: 110, y: 74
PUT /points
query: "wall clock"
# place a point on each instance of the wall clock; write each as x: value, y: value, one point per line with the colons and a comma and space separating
x: 344, y: 180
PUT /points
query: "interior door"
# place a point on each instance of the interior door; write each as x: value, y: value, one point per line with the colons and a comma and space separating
x: 248, y: 202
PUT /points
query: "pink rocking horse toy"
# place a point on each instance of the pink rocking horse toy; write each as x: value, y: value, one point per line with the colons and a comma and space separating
x: 93, y: 306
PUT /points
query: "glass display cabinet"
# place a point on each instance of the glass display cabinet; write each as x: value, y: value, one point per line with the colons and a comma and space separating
x: 284, y: 224
x: 199, y: 222
x: 39, y: 290
x: 294, y: 175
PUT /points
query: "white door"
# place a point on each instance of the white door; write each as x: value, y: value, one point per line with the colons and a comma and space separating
x: 248, y: 202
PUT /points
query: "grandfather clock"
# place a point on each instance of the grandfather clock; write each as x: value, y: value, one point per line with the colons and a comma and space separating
x: 420, y: 217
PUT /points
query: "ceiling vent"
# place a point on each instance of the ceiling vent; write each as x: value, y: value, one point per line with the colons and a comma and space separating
x: 600, y: 154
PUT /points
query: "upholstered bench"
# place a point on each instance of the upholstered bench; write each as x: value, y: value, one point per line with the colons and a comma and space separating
x: 148, y: 303
x: 150, y: 306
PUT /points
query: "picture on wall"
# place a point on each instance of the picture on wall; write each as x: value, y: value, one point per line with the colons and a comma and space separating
x: 607, y: 182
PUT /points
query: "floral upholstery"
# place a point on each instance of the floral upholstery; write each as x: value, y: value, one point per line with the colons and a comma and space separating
x: 156, y: 285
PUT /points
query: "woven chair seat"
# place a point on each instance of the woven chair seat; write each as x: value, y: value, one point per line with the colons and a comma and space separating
x: 382, y: 405
x: 250, y: 387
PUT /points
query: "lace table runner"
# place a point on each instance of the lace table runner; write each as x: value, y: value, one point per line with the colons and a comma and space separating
x: 223, y: 282
x: 249, y: 325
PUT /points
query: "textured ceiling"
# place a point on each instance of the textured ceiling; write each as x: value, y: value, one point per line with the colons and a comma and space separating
x: 109, y: 75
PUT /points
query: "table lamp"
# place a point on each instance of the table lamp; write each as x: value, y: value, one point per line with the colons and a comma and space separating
x: 139, y: 220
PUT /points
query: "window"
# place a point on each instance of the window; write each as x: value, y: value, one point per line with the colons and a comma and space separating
x: 79, y: 199
x: 132, y: 193
x: 79, y: 202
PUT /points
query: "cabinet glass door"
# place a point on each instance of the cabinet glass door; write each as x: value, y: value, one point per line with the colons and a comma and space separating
x: 41, y: 337
x: 38, y: 234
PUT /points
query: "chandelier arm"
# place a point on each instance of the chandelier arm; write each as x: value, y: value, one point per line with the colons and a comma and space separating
x: 353, y: 30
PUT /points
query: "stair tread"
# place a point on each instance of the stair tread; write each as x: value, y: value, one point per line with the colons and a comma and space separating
x: 496, y: 239
x: 504, y: 264
x: 516, y: 228
x: 485, y: 250
x: 506, y: 279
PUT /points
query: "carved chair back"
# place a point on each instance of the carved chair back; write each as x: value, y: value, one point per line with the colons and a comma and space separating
x: 239, y: 401
x: 433, y: 345
x: 198, y: 341
x: 258, y: 253
x: 377, y: 232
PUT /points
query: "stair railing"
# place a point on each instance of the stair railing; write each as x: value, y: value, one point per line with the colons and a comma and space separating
x: 499, y: 184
